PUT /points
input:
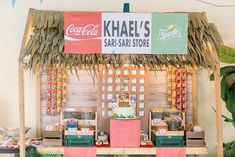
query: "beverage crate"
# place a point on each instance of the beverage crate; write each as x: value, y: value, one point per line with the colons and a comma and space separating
x: 169, y: 141
x: 195, y: 139
x: 83, y: 140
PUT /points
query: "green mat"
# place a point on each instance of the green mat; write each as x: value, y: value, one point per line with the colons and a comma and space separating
x: 32, y: 152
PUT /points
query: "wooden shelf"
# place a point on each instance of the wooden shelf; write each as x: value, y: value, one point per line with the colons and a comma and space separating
x: 127, y: 151
x: 169, y: 133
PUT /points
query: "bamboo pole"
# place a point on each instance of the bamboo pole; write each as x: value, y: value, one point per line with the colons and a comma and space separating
x: 218, y: 113
x: 39, y: 114
x: 21, y: 110
x: 194, y: 97
x: 21, y: 87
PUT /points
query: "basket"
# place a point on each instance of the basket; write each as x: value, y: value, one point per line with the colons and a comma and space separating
x: 160, y: 127
x: 52, y: 134
x: 88, y: 127
x: 174, y: 125
x: 157, y: 113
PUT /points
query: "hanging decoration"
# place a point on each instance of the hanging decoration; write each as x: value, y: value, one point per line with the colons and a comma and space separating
x: 181, y: 89
x: 176, y: 88
x: 13, y: 3
x: 171, y: 90
x: 56, y: 90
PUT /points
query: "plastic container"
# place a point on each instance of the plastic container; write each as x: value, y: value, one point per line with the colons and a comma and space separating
x: 72, y: 125
x: 83, y: 140
x: 173, y: 113
x: 169, y: 141
x: 71, y: 114
x: 157, y: 113
x: 174, y: 125
x: 86, y: 114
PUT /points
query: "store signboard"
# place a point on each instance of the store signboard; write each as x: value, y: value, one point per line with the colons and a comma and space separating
x: 125, y: 33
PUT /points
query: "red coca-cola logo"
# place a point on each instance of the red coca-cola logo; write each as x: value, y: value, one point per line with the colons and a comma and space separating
x: 86, y: 31
x: 82, y: 32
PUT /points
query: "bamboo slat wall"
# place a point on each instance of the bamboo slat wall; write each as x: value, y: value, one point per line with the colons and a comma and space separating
x: 84, y: 93
x: 81, y: 93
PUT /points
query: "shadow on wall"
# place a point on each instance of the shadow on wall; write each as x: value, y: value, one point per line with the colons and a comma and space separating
x: 4, y: 121
x: 206, y: 115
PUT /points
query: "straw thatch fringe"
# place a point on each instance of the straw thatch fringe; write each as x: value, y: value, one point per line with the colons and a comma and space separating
x: 45, y: 48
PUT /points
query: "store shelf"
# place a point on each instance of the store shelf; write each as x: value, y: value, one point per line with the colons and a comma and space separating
x: 127, y: 151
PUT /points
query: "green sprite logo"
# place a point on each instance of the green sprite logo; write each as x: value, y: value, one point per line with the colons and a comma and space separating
x: 171, y: 32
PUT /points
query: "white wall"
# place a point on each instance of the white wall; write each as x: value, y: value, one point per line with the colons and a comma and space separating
x: 12, y: 23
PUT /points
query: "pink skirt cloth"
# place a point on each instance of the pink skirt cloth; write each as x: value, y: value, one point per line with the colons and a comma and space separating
x: 125, y: 133
x: 170, y: 152
x: 79, y: 151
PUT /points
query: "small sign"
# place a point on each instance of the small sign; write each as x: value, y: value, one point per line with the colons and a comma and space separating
x: 85, y: 131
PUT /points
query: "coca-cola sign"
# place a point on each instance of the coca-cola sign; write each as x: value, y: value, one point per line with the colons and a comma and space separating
x: 82, y: 32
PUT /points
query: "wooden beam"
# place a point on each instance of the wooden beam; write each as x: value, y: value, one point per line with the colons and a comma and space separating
x: 21, y: 110
x: 39, y: 110
x: 218, y: 113
x: 194, y: 97
x: 124, y: 151
x: 21, y: 88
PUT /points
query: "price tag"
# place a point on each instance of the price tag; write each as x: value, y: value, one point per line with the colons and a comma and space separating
x: 85, y: 131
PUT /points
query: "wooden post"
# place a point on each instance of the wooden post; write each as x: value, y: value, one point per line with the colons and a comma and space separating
x: 150, y: 126
x: 39, y: 110
x: 21, y: 87
x: 218, y: 113
x: 21, y: 110
x: 194, y: 97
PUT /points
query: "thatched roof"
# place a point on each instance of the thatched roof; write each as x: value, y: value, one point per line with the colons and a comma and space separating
x: 46, y: 47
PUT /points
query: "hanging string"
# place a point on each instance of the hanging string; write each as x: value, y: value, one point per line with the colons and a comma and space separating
x: 215, y: 5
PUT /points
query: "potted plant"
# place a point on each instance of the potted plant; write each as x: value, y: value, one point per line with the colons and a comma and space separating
x: 227, y: 75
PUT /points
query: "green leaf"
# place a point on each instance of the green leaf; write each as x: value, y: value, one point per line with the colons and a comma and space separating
x: 231, y: 98
x: 224, y: 71
x: 230, y: 153
x: 230, y: 79
x: 228, y: 120
x: 227, y: 54
x: 233, y: 123
x: 224, y: 89
x: 212, y: 77
x: 227, y: 146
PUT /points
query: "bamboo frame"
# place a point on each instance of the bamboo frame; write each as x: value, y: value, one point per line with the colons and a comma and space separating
x: 194, y: 97
x: 125, y: 151
x: 22, y: 101
x: 22, y: 110
x: 21, y: 88
x: 218, y: 107
x: 39, y: 109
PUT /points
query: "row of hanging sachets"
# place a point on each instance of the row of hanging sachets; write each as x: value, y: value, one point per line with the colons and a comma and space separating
x: 176, y: 88
x: 56, y: 90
